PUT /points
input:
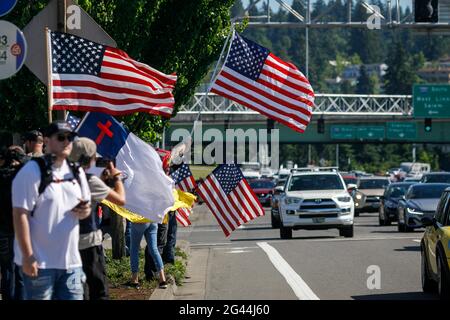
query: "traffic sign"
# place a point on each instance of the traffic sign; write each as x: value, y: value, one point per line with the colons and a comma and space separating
x: 370, y: 133
x: 13, y: 49
x: 401, y: 131
x: 431, y: 100
x: 342, y: 132
x: 47, y: 17
x: 6, y: 6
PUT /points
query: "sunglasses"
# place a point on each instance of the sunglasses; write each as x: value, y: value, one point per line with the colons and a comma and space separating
x: 62, y: 137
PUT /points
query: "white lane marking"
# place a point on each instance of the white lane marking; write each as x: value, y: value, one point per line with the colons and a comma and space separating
x: 238, y: 251
x: 237, y: 248
x: 203, y: 244
x: 417, y: 240
x: 300, y: 288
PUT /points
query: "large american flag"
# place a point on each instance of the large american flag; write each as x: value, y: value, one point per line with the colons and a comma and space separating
x: 259, y: 80
x: 184, y: 180
x: 87, y: 76
x: 229, y: 197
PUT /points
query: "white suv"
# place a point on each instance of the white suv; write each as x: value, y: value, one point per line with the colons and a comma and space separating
x: 316, y: 199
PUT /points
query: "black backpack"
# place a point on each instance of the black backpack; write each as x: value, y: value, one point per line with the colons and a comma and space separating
x: 45, y: 166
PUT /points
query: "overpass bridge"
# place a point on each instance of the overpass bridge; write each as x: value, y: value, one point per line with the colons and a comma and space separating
x: 347, y: 119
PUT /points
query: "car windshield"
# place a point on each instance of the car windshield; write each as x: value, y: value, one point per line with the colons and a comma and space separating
x: 397, y: 191
x: 439, y: 178
x: 373, y: 184
x: 426, y: 192
x: 315, y: 182
x: 350, y: 180
x: 261, y: 185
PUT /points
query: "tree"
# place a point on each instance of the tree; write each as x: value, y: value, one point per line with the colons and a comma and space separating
x: 401, y: 73
x: 179, y: 36
x: 366, y: 84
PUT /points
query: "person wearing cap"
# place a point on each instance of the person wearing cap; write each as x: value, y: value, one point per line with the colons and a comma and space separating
x: 34, y: 143
x: 46, y: 221
x: 84, y: 152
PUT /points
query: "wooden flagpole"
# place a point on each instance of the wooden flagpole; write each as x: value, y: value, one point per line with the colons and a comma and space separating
x: 49, y: 76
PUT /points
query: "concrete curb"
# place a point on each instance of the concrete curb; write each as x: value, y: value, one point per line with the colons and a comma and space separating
x: 170, y: 292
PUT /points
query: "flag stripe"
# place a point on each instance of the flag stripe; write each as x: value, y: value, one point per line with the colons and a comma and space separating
x: 253, y: 197
x: 212, y: 208
x: 191, y: 182
x: 87, y: 108
x: 75, y: 85
x: 166, y: 80
x: 247, y: 201
x: 265, y: 94
x: 218, y: 201
x: 296, y: 78
x: 245, y: 204
x: 269, y: 113
x: 263, y: 103
x: 108, y: 99
x: 239, y: 207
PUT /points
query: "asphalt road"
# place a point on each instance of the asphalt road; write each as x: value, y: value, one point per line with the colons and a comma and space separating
x: 253, y: 263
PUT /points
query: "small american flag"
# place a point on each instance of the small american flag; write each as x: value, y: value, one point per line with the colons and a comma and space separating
x: 87, y: 76
x: 73, y: 121
x: 184, y: 180
x: 259, y: 80
x: 230, y: 198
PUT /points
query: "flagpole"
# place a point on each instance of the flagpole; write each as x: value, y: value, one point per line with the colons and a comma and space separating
x: 49, y: 77
x: 232, y: 30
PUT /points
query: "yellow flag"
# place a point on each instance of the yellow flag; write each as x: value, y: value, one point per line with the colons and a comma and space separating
x: 182, y: 200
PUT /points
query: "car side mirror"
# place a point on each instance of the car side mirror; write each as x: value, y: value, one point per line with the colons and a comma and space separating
x: 279, y: 190
x: 427, y: 221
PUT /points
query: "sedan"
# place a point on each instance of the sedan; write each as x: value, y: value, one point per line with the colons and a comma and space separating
x: 263, y: 189
x: 421, y: 201
x: 389, y: 202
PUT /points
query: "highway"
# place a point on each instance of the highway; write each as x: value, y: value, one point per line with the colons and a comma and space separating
x: 255, y: 264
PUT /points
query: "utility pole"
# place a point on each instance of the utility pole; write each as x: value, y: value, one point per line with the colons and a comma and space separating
x: 307, y: 21
x: 337, y: 155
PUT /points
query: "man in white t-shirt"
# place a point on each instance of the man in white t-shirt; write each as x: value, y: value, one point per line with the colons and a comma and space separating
x: 46, y: 221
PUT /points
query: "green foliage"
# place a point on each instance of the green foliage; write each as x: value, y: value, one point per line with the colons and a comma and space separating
x: 178, y: 36
x: 177, y: 271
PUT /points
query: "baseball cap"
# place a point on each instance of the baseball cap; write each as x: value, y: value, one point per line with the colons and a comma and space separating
x: 32, y: 135
x: 57, y: 126
x: 83, y: 149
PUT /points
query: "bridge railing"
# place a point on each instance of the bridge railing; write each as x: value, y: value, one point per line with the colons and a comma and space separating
x: 332, y: 104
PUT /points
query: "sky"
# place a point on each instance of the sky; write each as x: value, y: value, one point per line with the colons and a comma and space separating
x: 275, y: 6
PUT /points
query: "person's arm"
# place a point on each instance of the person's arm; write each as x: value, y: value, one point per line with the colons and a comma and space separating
x: 117, y: 193
x: 22, y: 231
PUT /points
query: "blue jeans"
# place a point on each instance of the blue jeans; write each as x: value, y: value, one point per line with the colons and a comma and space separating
x: 149, y: 230
x: 55, y: 284
x: 11, y: 280
x: 169, y: 249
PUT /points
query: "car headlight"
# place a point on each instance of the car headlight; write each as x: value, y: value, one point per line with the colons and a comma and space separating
x: 358, y: 196
x: 344, y: 199
x: 413, y: 211
x: 290, y: 200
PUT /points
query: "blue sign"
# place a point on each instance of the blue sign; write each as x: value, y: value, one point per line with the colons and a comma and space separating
x: 6, y: 6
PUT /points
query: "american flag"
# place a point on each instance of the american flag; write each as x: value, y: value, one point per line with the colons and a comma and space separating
x: 259, y: 80
x: 184, y: 180
x: 229, y: 197
x: 73, y: 121
x: 88, y: 76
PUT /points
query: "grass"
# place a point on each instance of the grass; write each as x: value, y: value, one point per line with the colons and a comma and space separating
x: 201, y: 171
x: 118, y: 272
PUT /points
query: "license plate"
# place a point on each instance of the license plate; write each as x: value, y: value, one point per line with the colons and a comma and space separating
x: 318, y: 220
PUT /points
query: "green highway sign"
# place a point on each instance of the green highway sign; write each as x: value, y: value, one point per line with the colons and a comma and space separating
x: 431, y: 100
x: 342, y: 132
x: 401, y: 131
x: 370, y: 133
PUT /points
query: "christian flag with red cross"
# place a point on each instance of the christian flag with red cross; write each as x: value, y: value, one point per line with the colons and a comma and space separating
x: 148, y: 189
